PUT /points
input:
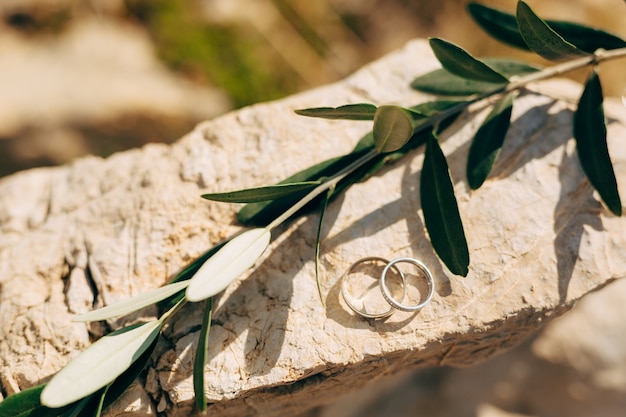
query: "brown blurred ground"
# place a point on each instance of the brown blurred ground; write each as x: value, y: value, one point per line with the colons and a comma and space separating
x: 100, y: 76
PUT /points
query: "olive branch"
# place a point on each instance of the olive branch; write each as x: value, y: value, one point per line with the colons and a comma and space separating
x: 102, y: 372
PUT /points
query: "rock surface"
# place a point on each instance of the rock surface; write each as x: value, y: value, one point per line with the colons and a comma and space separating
x: 100, y: 230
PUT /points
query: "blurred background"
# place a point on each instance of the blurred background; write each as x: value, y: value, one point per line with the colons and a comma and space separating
x: 99, y: 76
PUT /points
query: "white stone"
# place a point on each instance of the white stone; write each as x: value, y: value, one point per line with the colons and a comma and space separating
x: 539, y: 240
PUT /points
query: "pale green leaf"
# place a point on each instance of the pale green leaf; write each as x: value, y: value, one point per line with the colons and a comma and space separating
x: 360, y: 111
x: 133, y: 304
x: 393, y: 127
x: 441, y: 212
x: 488, y: 141
x: 99, y: 364
x: 541, y: 38
x: 235, y: 258
x: 264, y: 193
x: 457, y: 61
x: 593, y: 153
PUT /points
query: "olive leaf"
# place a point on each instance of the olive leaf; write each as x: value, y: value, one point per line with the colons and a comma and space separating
x: 133, y: 304
x: 586, y: 38
x: 503, y: 27
x: 497, y: 23
x: 26, y: 403
x: 592, y: 149
x: 541, y: 38
x: 457, y: 61
x: 318, y: 239
x: 265, y: 193
x: 488, y: 141
x: 200, y: 360
x: 100, y: 364
x: 262, y: 213
x: 362, y: 111
x: 441, y: 212
x: 443, y: 82
x: 393, y: 127
x: 227, y: 264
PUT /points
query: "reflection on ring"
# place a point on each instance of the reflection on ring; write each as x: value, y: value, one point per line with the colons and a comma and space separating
x: 351, y: 302
x: 394, y: 301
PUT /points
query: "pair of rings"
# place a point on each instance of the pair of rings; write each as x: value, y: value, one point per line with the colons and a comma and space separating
x: 392, y: 302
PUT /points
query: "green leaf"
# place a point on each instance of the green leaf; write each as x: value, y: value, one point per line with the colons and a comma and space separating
x: 318, y: 239
x: 458, y: 62
x: 434, y: 107
x: 200, y: 359
x: 133, y: 304
x: 100, y: 405
x: 235, y: 258
x: 265, y: 193
x: 361, y: 111
x: 497, y: 23
x: 100, y: 364
x: 593, y: 153
x: 586, y: 38
x: 26, y: 403
x: 441, y: 213
x: 442, y: 82
x: 262, y: 213
x: 503, y: 27
x: 488, y: 141
x: 393, y: 127
x: 541, y: 38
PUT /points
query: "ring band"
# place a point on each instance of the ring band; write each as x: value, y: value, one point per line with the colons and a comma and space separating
x: 387, y: 294
x: 364, y: 313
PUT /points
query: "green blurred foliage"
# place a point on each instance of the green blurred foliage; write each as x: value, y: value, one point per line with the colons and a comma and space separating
x: 230, y: 57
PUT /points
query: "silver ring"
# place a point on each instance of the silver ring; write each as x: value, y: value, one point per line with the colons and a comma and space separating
x: 387, y: 294
x: 364, y: 313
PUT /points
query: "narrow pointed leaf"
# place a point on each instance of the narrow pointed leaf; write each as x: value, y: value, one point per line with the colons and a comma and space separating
x: 457, y: 61
x: 503, y: 27
x: 100, y: 364
x: 593, y: 153
x: 586, y: 38
x: 361, y: 111
x: 497, y: 23
x: 488, y: 141
x: 318, y: 239
x: 26, y: 403
x: 541, y: 38
x: 393, y: 127
x: 432, y: 108
x: 235, y: 258
x: 200, y: 359
x: 265, y: 193
x: 122, y: 382
x: 443, y: 82
x: 131, y: 305
x: 262, y: 213
x: 441, y: 212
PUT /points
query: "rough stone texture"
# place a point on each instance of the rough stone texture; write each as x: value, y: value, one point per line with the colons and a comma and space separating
x: 96, y: 231
x: 573, y: 368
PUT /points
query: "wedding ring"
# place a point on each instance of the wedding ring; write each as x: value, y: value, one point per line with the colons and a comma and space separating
x: 398, y: 304
x: 362, y: 311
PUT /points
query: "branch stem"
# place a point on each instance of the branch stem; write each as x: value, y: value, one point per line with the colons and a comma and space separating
x: 515, y: 84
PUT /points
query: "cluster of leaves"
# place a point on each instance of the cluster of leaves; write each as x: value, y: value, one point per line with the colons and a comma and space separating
x: 99, y: 375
